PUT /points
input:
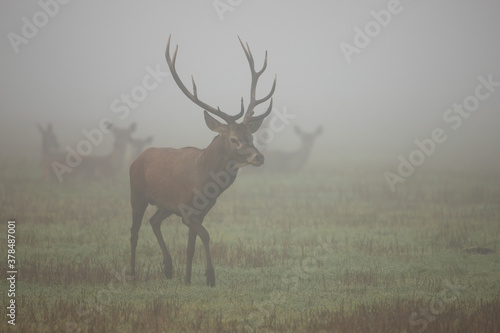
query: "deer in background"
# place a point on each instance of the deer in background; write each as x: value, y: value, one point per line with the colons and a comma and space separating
x: 282, y: 161
x: 101, y: 167
x: 138, y: 146
x: 187, y: 181
x: 50, y: 148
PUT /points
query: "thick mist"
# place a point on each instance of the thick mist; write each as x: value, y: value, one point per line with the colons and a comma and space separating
x: 381, y: 77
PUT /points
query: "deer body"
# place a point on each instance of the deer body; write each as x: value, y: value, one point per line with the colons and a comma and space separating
x: 170, y: 178
x: 138, y: 146
x: 101, y: 167
x: 50, y: 150
x: 281, y: 161
x: 187, y: 181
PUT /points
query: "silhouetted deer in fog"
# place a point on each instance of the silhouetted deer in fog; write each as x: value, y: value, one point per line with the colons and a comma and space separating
x: 187, y: 181
x: 99, y: 167
x: 50, y: 148
x: 138, y: 146
x: 281, y: 161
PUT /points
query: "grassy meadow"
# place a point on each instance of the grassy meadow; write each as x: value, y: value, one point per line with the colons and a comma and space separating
x: 326, y: 250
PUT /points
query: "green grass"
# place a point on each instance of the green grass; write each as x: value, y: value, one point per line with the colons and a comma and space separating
x: 323, y: 251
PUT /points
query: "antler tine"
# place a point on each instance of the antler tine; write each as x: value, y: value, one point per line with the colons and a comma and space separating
x: 250, y: 54
x: 195, y: 90
x: 253, y: 87
x: 175, y: 54
x: 262, y: 100
x: 247, y: 54
x: 194, y: 96
x: 264, y: 115
x: 263, y: 66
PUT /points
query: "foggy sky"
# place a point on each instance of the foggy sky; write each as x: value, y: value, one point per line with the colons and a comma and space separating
x: 394, y: 91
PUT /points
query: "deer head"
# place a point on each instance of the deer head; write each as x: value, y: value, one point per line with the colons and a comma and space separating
x: 236, y: 138
x: 50, y: 144
x: 49, y: 139
x: 138, y: 145
x: 308, y: 138
x: 122, y: 135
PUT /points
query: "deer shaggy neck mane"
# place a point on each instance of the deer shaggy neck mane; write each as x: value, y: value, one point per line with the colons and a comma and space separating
x: 216, y: 156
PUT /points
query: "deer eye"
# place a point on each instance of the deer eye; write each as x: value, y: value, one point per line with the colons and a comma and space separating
x: 234, y: 140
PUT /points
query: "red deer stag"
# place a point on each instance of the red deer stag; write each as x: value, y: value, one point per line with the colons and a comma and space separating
x: 173, y: 179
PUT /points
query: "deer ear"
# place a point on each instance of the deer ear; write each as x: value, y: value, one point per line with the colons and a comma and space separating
x: 213, y: 123
x: 253, y: 125
x: 108, y: 125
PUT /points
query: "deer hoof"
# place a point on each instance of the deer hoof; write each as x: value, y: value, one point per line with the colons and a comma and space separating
x: 210, y: 278
x: 168, y: 273
x: 168, y: 269
x: 131, y: 277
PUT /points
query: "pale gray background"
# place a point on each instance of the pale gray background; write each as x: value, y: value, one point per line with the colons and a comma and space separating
x: 372, y: 109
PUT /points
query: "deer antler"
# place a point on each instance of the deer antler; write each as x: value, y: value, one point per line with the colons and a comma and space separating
x: 255, y: 77
x: 194, y: 96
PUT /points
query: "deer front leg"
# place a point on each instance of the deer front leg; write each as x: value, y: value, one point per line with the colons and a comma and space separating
x: 190, y: 253
x: 155, y: 221
x: 138, y: 208
x: 205, y: 238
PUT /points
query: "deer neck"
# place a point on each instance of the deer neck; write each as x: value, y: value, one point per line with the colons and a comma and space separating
x: 116, y: 157
x: 302, y: 154
x: 45, y: 150
x: 48, y: 152
x: 215, y: 159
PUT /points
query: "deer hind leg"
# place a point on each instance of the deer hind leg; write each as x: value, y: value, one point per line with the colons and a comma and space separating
x: 155, y: 221
x: 205, y: 238
x: 138, y: 208
x: 190, y: 253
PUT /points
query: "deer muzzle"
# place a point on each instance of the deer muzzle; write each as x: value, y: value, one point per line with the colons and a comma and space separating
x: 257, y: 159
